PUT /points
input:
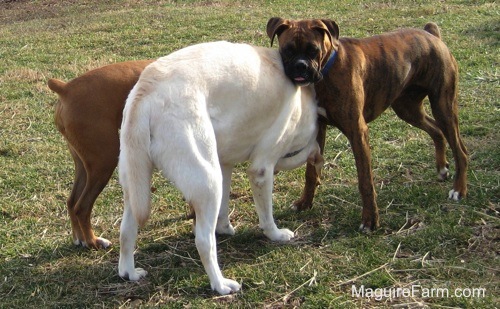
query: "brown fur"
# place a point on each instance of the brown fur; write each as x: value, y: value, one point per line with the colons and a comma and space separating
x: 88, y: 115
x: 397, y: 69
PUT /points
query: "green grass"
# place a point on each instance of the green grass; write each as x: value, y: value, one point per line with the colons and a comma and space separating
x: 424, y: 238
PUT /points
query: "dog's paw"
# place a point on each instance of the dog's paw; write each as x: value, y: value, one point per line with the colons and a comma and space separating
x: 99, y: 243
x: 226, y: 286
x: 301, y: 205
x: 134, y: 275
x: 279, y: 234
x: 103, y: 243
x: 225, y: 229
x: 79, y: 242
x: 365, y: 229
x: 443, y: 174
x: 454, y: 195
x: 369, y: 222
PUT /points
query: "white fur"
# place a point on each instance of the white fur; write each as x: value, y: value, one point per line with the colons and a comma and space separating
x: 193, y: 115
x: 103, y: 242
x: 443, y: 173
x: 454, y: 195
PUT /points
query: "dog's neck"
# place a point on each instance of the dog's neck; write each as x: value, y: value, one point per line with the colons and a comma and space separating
x: 329, y: 63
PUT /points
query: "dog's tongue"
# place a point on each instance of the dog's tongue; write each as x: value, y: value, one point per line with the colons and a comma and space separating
x: 299, y: 79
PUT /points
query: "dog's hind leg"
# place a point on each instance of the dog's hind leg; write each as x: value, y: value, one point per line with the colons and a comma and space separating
x: 206, y: 216
x: 99, y: 165
x: 224, y: 226
x: 128, y: 237
x: 189, y: 159
x: 445, y: 111
x: 409, y: 107
x: 91, y: 176
x: 76, y: 192
x: 135, y: 172
x: 96, y: 181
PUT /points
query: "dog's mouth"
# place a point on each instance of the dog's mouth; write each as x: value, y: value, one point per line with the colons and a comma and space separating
x: 304, y: 78
x: 301, y: 81
x: 301, y: 72
x: 299, y: 77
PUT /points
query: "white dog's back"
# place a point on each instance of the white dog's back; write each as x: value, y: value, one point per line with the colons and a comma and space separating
x: 234, y: 90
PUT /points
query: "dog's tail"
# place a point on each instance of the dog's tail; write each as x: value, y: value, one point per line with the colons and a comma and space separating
x: 433, y: 29
x: 56, y: 85
x: 135, y: 166
x: 59, y: 87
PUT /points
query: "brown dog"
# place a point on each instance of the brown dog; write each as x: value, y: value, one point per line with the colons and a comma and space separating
x: 357, y: 79
x: 88, y: 115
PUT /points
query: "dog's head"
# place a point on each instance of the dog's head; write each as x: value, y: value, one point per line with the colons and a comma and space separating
x: 305, y: 46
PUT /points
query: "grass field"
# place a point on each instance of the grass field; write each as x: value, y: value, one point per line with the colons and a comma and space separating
x: 425, y: 241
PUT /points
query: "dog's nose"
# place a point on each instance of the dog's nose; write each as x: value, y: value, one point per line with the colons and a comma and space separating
x: 300, y: 65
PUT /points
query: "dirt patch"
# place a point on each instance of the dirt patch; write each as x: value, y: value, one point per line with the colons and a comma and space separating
x: 485, y: 242
x: 12, y: 11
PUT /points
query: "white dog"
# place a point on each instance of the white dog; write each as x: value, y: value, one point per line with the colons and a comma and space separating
x: 196, y: 113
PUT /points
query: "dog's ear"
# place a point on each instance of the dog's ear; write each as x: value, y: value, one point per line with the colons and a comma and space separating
x: 275, y: 26
x: 330, y: 28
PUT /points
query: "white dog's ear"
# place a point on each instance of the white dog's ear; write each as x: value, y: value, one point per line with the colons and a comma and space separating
x: 276, y: 26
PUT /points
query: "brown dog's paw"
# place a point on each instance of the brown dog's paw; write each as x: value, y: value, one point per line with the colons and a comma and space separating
x: 365, y: 229
x: 301, y: 204
x: 443, y: 174
x: 103, y: 243
x: 95, y: 244
x: 455, y: 195
x: 369, y: 225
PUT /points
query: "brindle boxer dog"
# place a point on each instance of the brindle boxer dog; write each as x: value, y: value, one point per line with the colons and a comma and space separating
x: 358, y: 79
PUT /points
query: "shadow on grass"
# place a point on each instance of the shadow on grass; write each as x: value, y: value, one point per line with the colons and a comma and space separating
x: 83, y: 277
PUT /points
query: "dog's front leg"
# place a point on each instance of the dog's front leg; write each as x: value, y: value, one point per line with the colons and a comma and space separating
x: 361, y: 148
x: 261, y: 181
x: 224, y: 226
x: 313, y: 173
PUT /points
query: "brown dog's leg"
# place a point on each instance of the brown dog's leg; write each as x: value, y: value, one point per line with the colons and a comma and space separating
x: 445, y: 111
x: 312, y: 177
x: 358, y: 137
x: 409, y: 107
x: 96, y: 181
x: 76, y: 193
x: 98, y: 150
x: 86, y: 189
x: 91, y: 177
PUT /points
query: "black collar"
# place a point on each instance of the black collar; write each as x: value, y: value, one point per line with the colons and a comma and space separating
x: 294, y: 153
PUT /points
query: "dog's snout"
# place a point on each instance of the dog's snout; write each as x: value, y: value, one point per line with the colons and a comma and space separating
x: 301, y: 65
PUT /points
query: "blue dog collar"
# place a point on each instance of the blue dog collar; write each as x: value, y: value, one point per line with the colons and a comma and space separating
x: 329, y: 64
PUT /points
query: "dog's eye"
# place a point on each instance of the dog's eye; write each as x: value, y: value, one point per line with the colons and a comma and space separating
x: 312, y: 51
x: 289, y: 50
x: 288, y: 53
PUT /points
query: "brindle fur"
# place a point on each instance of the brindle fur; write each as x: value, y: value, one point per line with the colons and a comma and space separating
x: 397, y: 69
